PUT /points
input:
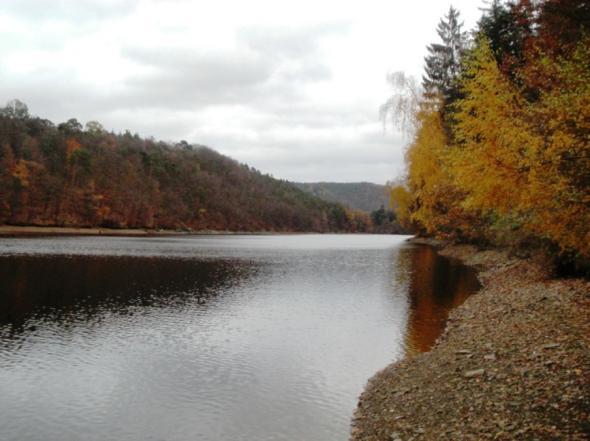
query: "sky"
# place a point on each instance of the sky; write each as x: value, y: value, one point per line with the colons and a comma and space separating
x: 292, y: 88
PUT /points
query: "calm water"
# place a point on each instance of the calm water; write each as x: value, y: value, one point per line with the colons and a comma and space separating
x: 208, y: 338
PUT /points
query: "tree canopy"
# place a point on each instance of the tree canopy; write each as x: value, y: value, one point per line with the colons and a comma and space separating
x: 85, y: 177
x: 513, y: 163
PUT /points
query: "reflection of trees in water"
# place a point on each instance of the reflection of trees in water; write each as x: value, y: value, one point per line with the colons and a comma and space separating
x: 403, y: 266
x: 62, y: 288
x: 437, y: 285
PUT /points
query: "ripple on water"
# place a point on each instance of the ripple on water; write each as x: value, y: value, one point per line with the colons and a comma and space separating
x: 223, y: 338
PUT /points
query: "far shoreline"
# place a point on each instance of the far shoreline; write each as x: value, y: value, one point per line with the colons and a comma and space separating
x: 7, y: 231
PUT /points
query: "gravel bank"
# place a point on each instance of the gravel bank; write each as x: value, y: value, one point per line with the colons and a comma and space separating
x: 513, y: 363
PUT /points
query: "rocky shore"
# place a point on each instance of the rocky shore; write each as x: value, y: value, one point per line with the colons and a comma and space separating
x: 513, y: 363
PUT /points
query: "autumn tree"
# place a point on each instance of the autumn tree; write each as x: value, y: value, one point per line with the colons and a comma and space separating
x: 527, y: 162
x: 491, y: 158
x: 67, y: 176
x: 560, y: 25
x: 560, y: 171
x: 513, y: 162
x: 507, y: 27
x: 401, y: 200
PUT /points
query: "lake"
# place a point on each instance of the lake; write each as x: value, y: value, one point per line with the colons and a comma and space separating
x: 268, y: 337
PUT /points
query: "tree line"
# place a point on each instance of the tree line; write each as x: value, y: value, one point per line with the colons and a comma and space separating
x: 500, y: 130
x: 84, y: 176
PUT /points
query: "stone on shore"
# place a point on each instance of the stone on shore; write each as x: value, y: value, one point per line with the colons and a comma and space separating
x: 513, y: 363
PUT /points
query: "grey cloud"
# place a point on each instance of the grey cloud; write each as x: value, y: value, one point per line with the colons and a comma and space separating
x: 314, y: 116
x: 223, y: 69
x: 51, y: 95
x: 181, y: 78
x: 372, y: 156
x: 267, y: 69
x: 355, y: 151
x: 52, y: 24
x: 266, y: 74
x: 299, y: 44
x: 343, y: 164
x: 77, y: 11
x: 311, y: 71
x: 291, y: 42
x: 337, y: 170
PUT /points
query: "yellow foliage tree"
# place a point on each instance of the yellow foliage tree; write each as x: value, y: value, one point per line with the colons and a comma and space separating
x: 519, y: 161
x: 436, y: 204
x: 399, y: 200
x: 494, y: 146
x: 524, y: 160
x: 560, y: 172
x: 21, y: 173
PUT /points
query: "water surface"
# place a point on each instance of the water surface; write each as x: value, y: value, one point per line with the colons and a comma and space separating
x: 208, y: 338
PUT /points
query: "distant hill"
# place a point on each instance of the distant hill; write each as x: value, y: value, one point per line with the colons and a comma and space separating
x: 68, y: 175
x: 357, y: 195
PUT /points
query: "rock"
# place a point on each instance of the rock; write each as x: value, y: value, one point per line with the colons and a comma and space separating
x: 526, y: 378
x: 474, y: 373
x: 394, y: 436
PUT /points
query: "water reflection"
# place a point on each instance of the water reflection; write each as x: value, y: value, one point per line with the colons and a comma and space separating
x: 437, y: 285
x: 80, y: 286
x: 208, y: 338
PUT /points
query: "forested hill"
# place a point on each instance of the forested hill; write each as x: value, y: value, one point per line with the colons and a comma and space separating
x: 70, y: 175
x: 357, y: 195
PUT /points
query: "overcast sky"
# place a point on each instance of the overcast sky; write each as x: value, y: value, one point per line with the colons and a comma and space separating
x: 291, y: 88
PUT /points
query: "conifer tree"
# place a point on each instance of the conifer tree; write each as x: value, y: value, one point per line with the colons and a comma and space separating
x: 506, y: 27
x: 443, y: 62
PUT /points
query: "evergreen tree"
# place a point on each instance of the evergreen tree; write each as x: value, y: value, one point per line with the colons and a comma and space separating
x: 506, y: 26
x: 443, y: 62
